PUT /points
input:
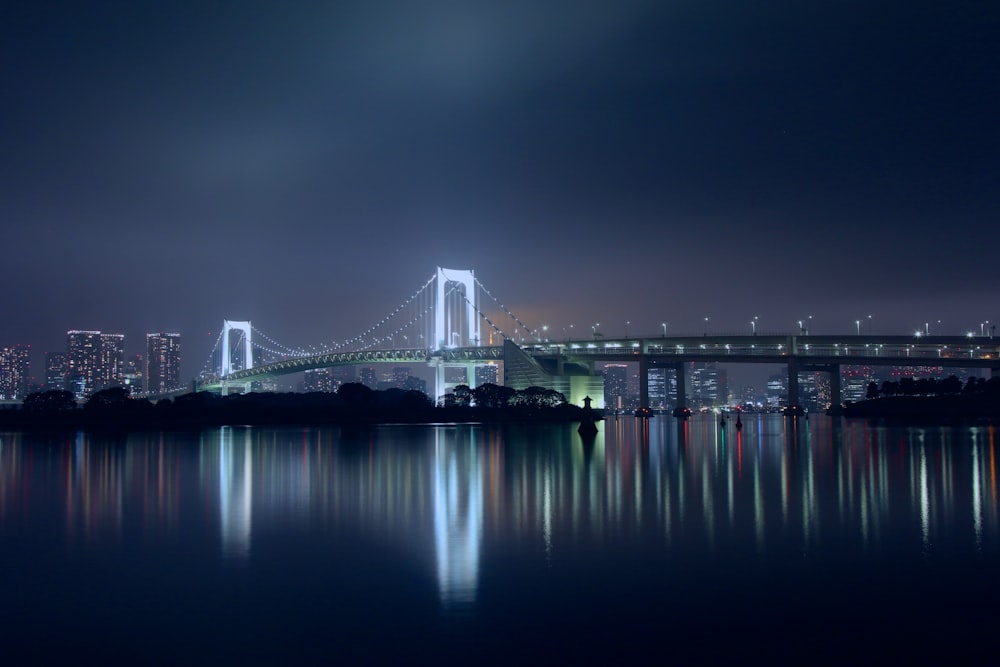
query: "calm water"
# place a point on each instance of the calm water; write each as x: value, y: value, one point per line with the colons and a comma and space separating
x: 816, y: 540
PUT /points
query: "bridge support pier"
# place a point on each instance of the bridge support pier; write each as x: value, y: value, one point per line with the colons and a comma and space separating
x: 793, y: 384
x: 643, y: 381
x: 680, y: 376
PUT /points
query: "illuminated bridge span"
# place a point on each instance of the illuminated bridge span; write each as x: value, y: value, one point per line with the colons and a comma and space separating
x: 329, y: 360
x: 452, y: 320
x: 798, y: 353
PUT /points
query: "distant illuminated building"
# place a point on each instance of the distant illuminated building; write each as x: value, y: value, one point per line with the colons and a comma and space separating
x: 658, y: 387
x: 456, y: 375
x: 135, y: 371
x: 83, y: 361
x: 319, y: 379
x: 111, y: 372
x: 814, y: 391
x: 487, y: 374
x: 55, y: 371
x: 708, y: 384
x: 615, y: 386
x: 413, y: 383
x: 936, y: 372
x: 367, y: 377
x: 777, y: 390
x: 854, y: 381
x: 393, y: 378
x: 163, y: 362
x: 15, y: 365
x: 342, y: 375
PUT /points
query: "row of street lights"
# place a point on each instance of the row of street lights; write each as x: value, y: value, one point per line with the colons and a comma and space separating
x: 805, y: 326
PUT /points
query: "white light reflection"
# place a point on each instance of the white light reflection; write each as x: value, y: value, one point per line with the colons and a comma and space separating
x: 458, y: 516
x: 977, y: 490
x: 235, y: 493
x: 925, y: 520
x: 547, y: 514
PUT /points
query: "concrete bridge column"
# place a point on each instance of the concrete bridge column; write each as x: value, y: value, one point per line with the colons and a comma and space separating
x: 681, y: 376
x: 643, y: 381
x: 836, y: 402
x: 793, y: 382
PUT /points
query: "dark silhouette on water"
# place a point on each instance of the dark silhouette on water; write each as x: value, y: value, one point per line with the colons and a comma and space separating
x: 588, y: 419
x: 353, y: 403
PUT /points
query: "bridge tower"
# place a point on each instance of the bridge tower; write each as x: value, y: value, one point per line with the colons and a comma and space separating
x: 449, y: 330
x: 226, y: 367
x: 455, y: 296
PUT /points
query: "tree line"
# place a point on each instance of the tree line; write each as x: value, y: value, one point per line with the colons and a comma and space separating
x: 352, y: 402
x: 950, y: 386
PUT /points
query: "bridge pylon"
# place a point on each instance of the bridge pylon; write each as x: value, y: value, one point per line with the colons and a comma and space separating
x: 246, y: 363
x: 450, y: 328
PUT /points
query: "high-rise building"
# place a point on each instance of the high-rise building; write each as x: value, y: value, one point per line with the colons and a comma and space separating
x: 112, y: 361
x: 83, y: 361
x: 14, y: 370
x: 135, y: 372
x: 615, y: 386
x: 163, y: 362
x: 657, y: 378
x: 55, y: 370
x: 708, y: 385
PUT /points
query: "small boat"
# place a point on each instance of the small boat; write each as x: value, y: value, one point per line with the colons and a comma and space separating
x: 645, y: 413
x: 722, y: 421
x: 739, y: 424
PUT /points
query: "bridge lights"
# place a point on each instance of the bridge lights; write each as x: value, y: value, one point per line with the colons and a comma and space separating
x: 858, y: 323
x: 753, y: 326
x: 664, y: 325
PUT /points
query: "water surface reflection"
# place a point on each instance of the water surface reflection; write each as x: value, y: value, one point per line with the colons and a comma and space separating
x: 491, y: 516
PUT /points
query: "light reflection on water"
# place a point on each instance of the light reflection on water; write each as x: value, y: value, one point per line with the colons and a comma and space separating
x: 468, y: 504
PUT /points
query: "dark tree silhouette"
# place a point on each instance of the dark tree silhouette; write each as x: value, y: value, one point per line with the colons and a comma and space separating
x: 950, y: 385
x: 45, y: 401
x: 113, y: 397
x: 538, y: 397
x: 356, y: 395
x: 872, y: 391
x: 462, y: 396
x: 490, y: 395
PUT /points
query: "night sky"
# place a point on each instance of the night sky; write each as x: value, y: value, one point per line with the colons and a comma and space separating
x: 165, y: 165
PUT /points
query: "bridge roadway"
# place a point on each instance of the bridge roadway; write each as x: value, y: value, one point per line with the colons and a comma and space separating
x: 798, y: 353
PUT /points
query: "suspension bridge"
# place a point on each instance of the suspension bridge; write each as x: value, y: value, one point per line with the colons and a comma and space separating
x: 454, y: 322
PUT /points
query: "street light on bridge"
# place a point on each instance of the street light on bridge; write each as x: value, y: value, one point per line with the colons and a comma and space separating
x: 627, y: 322
x: 753, y: 326
x: 707, y: 319
x: 858, y: 323
x: 664, y: 325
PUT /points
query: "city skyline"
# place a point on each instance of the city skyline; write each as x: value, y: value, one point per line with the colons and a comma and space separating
x: 700, y: 164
